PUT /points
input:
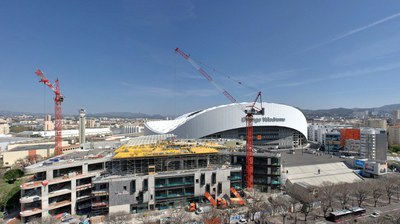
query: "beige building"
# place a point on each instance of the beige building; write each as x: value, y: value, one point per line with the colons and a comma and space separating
x: 376, y: 123
x: 91, y: 123
x: 32, y: 152
x: 48, y: 124
x: 4, y: 129
x: 394, y: 134
x: 396, y: 116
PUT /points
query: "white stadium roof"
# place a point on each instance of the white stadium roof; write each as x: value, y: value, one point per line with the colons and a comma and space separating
x: 227, y: 117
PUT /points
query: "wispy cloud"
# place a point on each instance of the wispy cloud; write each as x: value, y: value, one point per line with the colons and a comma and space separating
x: 347, y: 74
x: 352, y: 32
x: 381, y: 49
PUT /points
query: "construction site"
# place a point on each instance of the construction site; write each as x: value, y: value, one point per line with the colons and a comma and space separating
x: 148, y: 173
x: 153, y: 172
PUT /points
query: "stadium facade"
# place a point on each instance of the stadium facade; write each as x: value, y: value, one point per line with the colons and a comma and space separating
x: 280, y: 127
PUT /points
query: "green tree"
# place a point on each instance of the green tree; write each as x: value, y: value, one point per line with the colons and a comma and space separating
x: 11, y: 175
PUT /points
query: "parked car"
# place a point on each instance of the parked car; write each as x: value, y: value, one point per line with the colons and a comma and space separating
x: 374, y: 214
x: 241, y: 221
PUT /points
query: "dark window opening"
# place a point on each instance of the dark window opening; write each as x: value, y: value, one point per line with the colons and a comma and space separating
x: 202, y: 179
x: 145, y: 185
x: 213, y: 178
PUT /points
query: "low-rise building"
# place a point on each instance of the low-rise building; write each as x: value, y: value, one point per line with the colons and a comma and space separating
x: 394, y: 135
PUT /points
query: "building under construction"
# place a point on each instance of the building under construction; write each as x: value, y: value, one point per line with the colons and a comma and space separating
x: 160, y: 176
x: 148, y: 173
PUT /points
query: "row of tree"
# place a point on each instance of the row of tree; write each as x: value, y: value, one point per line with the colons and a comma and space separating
x: 321, y: 200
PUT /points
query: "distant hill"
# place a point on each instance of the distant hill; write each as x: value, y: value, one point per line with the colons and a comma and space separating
x: 334, y: 112
x: 107, y: 114
x: 126, y: 115
x: 345, y: 112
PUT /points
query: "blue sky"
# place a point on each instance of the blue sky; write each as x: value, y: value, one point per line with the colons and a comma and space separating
x: 119, y: 55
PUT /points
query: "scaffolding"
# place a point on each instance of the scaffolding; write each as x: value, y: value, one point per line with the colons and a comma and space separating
x: 161, y: 157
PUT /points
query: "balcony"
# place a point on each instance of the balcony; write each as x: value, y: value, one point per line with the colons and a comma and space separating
x: 59, y: 192
x: 164, y: 196
x: 83, y: 187
x: 99, y: 204
x: 234, y: 178
x: 30, y: 212
x: 100, y: 193
x: 174, y: 184
x: 275, y: 182
x: 83, y: 197
x: 30, y: 185
x: 59, y: 204
x: 29, y: 199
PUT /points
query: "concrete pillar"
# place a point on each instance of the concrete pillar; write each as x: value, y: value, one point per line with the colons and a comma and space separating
x: 45, y: 200
x: 49, y: 174
x: 73, y: 196
x: 85, y: 168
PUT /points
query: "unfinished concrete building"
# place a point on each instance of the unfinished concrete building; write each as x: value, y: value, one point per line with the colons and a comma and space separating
x: 161, y: 176
x: 61, y: 184
x: 148, y: 173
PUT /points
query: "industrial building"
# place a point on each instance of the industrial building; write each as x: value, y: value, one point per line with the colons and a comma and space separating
x: 66, y: 133
x: 280, y: 127
x: 148, y: 173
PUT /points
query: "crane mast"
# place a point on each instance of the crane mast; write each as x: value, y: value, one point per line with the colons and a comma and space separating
x: 58, y: 99
x: 251, y: 110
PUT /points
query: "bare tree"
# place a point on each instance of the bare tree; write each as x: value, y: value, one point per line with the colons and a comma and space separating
x: 343, y: 194
x: 44, y: 220
x: 265, y: 213
x: 305, y: 198
x: 280, y: 205
x: 360, y: 192
x: 326, y: 195
x: 117, y: 218
x: 376, y: 191
x: 211, y: 217
x: 146, y: 218
x: 254, y: 202
x: 180, y: 216
x: 389, y: 184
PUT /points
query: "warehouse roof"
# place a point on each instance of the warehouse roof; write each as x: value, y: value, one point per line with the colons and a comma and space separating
x: 316, y: 174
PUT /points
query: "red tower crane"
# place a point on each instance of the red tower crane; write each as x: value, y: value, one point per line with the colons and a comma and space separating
x: 250, y: 110
x: 58, y: 99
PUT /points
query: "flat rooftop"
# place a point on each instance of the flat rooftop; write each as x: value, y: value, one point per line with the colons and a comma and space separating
x: 75, y: 158
x: 316, y: 174
x: 163, y: 149
x: 306, y: 157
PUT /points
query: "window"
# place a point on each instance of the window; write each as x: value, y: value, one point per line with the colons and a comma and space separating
x: 124, y: 188
x: 219, y: 188
x: 208, y: 188
x: 202, y: 179
x: 145, y: 185
x: 133, y: 186
x: 213, y: 178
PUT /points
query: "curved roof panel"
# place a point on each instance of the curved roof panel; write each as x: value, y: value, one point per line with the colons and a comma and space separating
x: 226, y: 117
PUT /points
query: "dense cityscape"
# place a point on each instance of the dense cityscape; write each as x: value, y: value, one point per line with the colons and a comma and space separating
x: 119, y: 169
